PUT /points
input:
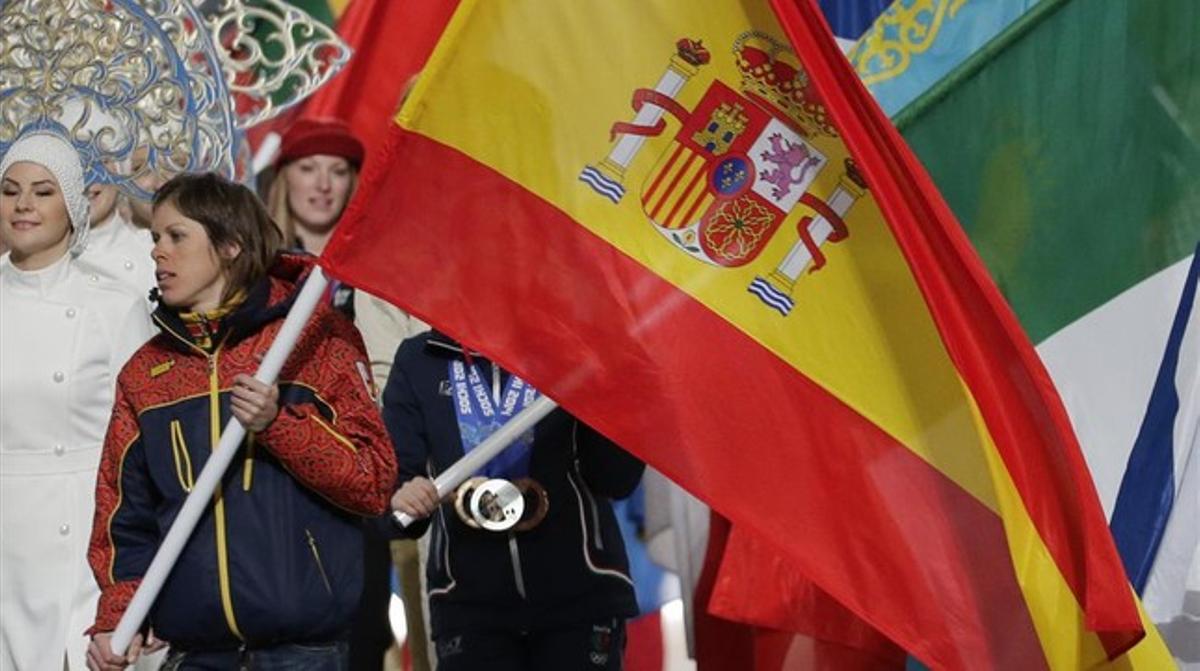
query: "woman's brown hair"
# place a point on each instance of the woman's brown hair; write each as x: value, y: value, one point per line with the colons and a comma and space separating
x: 230, y: 213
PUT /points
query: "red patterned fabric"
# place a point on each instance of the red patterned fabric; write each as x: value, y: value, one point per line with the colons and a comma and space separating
x: 113, y: 602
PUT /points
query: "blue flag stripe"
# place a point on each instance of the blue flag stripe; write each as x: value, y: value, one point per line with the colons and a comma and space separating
x: 1148, y: 486
x: 849, y: 19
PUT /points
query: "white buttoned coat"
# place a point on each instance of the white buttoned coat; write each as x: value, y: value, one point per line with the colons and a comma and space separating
x: 119, y: 251
x: 65, y: 332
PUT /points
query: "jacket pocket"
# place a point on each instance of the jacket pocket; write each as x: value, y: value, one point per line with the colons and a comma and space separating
x: 316, y: 555
x: 183, y: 461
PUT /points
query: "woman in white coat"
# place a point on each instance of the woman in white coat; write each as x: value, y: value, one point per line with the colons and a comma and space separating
x: 65, y: 332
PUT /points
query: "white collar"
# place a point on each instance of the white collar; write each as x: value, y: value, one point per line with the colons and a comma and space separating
x: 104, y: 235
x: 38, y: 282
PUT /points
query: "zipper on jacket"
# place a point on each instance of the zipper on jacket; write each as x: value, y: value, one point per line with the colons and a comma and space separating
x: 342, y: 440
x: 577, y: 479
x: 312, y: 545
x: 597, y: 539
x: 183, y: 461
x: 584, y: 540
x: 248, y: 463
x: 515, y: 552
x: 214, y: 414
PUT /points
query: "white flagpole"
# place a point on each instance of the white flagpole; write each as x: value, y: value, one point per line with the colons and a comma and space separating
x: 491, y: 446
x: 267, y: 151
x: 210, y: 476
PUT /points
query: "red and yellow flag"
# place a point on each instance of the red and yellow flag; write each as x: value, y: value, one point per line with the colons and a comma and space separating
x: 690, y: 225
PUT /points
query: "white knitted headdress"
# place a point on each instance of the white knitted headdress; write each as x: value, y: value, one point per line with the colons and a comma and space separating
x: 58, y: 156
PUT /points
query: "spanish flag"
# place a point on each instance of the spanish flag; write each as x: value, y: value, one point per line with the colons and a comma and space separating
x: 690, y: 225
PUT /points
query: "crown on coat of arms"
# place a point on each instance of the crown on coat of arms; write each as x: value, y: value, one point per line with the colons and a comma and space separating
x: 772, y: 73
x: 692, y: 51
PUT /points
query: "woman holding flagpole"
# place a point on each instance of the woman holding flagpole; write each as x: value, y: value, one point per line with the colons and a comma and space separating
x: 273, y: 574
x: 74, y: 109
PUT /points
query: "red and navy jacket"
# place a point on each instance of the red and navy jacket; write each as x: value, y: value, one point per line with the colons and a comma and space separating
x: 277, y: 556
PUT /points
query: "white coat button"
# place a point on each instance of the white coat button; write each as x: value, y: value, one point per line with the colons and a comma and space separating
x: 94, y: 278
x: 59, y: 376
x: 64, y: 530
x: 59, y: 450
x: 70, y: 313
x: 129, y: 265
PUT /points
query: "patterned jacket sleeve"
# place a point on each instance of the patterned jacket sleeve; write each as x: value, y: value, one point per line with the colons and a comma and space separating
x: 124, y: 529
x: 347, y: 459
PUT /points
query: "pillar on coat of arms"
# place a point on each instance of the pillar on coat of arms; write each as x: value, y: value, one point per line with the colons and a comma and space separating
x: 775, y: 290
x: 607, y: 177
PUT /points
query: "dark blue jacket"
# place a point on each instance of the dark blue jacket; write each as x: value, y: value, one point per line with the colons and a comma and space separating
x: 569, y: 569
x: 277, y: 556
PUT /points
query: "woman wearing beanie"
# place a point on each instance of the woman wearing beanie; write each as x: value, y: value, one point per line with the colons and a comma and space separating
x: 272, y: 575
x: 64, y: 335
x: 316, y: 173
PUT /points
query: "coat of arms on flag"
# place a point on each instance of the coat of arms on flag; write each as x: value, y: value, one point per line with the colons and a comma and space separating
x: 741, y: 165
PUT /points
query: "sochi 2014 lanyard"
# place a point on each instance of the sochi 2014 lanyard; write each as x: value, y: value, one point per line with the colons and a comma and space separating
x: 480, y: 411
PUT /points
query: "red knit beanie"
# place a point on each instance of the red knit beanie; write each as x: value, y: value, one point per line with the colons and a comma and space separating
x: 320, y: 136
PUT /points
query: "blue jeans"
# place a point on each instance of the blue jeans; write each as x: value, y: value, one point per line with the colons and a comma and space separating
x: 284, y: 657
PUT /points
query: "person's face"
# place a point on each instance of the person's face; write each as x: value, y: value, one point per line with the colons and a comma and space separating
x: 103, y: 199
x: 142, y: 211
x: 318, y: 187
x: 34, y: 222
x: 186, y: 264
